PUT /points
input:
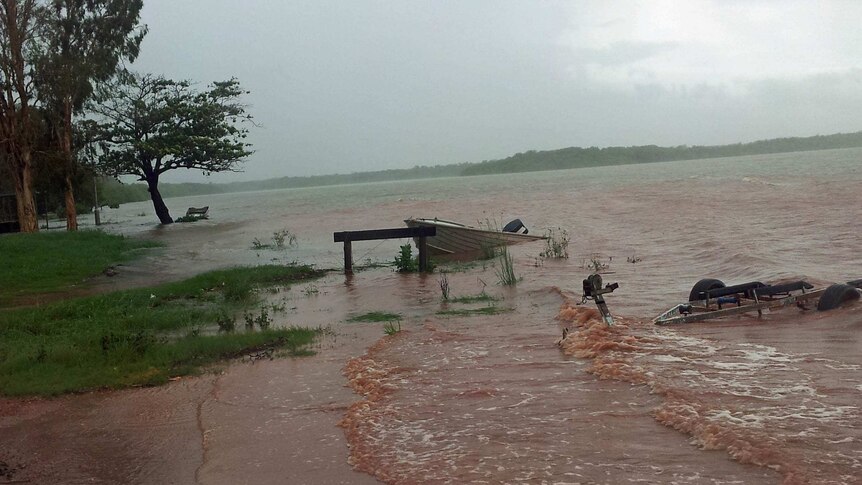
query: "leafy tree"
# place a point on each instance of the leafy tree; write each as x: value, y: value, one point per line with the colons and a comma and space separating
x: 83, y: 41
x: 150, y: 125
x: 17, y: 37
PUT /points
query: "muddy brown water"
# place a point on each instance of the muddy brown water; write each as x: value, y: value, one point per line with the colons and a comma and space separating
x: 493, y: 398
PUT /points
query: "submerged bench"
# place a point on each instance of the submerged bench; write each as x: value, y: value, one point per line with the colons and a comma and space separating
x: 199, y: 212
x: 347, y: 237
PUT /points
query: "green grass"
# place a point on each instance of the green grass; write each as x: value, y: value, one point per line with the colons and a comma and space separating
x: 138, y: 337
x: 369, y: 264
x: 481, y: 297
x: 468, y: 312
x: 375, y: 317
x: 506, y: 271
x: 460, y: 266
x: 391, y: 328
x: 52, y: 261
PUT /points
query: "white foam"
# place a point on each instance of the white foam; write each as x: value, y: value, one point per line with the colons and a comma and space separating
x: 746, y: 420
x: 669, y: 358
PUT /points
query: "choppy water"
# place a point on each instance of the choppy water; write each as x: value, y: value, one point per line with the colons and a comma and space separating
x: 494, y: 399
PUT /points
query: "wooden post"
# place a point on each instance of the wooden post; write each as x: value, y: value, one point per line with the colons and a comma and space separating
x: 348, y: 257
x: 423, y: 254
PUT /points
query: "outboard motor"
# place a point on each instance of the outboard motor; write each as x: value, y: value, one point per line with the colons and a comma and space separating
x: 516, y: 226
x: 593, y: 291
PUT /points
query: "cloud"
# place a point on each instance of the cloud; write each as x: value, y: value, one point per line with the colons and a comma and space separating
x: 726, y: 44
x: 369, y: 85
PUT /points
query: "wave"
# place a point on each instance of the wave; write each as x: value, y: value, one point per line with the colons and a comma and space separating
x: 750, y: 400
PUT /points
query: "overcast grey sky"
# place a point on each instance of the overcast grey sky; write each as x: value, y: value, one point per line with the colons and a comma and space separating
x: 346, y: 86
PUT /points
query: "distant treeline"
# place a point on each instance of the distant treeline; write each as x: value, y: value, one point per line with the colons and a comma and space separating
x: 113, y: 192
x: 576, y: 157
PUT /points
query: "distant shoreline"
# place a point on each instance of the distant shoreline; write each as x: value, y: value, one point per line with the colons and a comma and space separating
x: 529, y: 161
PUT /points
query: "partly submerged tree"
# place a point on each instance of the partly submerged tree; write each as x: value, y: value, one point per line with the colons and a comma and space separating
x: 17, y: 36
x: 83, y: 41
x: 150, y: 125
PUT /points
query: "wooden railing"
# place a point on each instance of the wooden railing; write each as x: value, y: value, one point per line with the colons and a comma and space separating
x: 422, y: 233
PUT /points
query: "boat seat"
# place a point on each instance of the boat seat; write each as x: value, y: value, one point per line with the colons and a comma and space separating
x: 197, y: 211
x: 744, y: 288
x: 786, y: 288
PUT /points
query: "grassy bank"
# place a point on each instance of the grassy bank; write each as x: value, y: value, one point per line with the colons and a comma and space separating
x: 141, y: 336
x: 53, y: 261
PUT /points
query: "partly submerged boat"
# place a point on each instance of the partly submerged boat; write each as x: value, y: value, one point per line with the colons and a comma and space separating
x: 455, y: 238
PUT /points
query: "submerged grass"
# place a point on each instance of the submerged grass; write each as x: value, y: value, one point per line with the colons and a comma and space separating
x: 375, y: 317
x: 506, y: 271
x: 138, y: 337
x: 51, y: 261
x: 460, y: 266
x: 474, y: 298
x: 467, y: 312
x: 391, y: 328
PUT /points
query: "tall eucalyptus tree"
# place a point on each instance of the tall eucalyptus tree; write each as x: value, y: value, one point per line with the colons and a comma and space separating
x: 17, y: 40
x: 83, y: 43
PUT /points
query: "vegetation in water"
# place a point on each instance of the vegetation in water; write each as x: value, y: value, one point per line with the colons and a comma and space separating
x: 405, y: 262
x: 444, y: 286
x: 142, y: 336
x: 371, y: 264
x: 281, y: 239
x: 226, y: 322
x: 467, y: 312
x: 488, y: 252
x: 376, y: 316
x: 459, y: 266
x: 506, y: 270
x: 311, y: 289
x: 391, y: 328
x: 186, y: 218
x: 262, y: 320
x: 54, y: 261
x: 481, y: 297
x: 556, y: 244
x: 596, y: 263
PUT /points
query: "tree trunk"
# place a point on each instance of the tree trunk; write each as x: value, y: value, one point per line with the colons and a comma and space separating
x: 27, y: 216
x: 15, y: 32
x: 69, y: 166
x: 158, y: 204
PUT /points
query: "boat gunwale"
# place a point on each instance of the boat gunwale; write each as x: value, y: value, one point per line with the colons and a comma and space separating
x: 457, y: 226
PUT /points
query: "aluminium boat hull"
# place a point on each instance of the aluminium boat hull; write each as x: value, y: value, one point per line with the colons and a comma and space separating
x: 455, y: 238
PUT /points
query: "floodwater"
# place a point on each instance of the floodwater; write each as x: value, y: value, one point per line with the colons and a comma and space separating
x: 500, y: 398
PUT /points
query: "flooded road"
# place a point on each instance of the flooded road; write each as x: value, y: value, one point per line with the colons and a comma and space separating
x: 481, y: 392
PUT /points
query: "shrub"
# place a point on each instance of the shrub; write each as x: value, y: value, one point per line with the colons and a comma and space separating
x: 282, y: 236
x: 405, y: 262
x: 556, y: 244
